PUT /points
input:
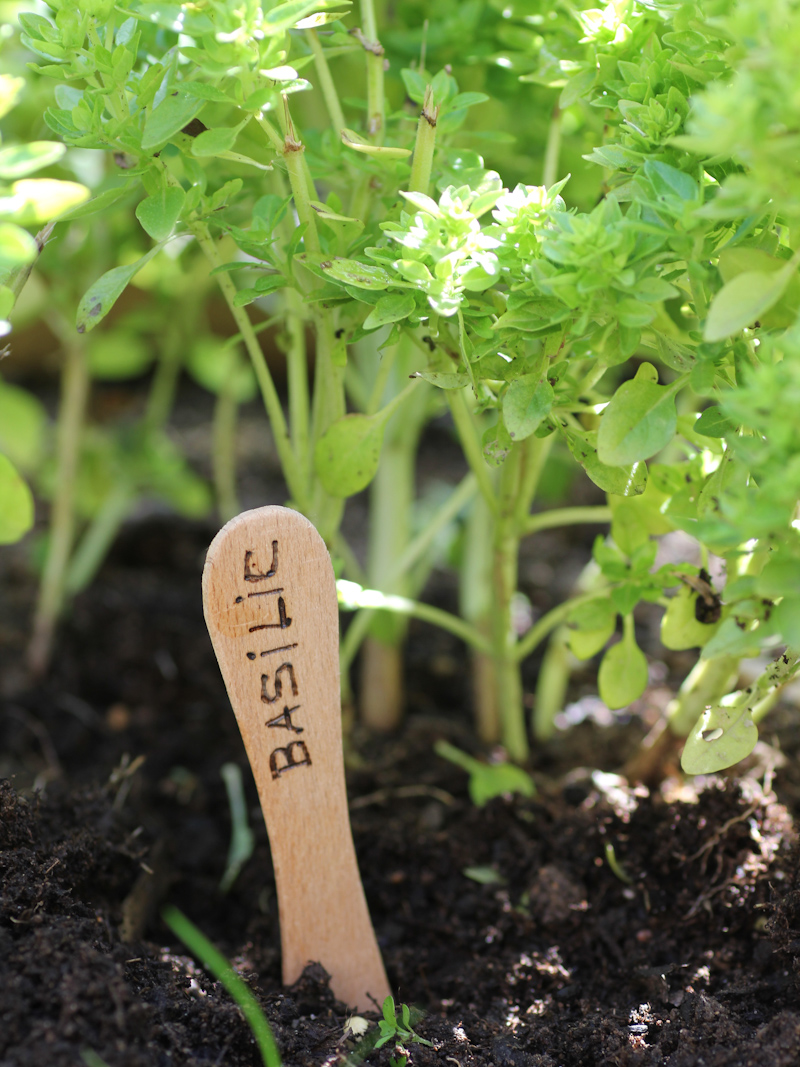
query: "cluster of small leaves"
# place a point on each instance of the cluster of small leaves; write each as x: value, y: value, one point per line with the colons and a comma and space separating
x: 639, y: 63
x: 398, y: 1030
x: 136, y: 86
x: 24, y: 201
x: 675, y: 263
x: 749, y: 117
x: 686, y: 264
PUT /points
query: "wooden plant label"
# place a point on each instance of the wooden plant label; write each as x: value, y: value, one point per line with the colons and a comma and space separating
x: 270, y: 605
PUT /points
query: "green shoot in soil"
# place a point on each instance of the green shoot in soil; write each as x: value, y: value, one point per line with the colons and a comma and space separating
x: 213, y: 960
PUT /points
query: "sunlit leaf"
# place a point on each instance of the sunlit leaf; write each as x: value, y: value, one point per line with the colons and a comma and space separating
x: 740, y: 302
x: 639, y: 421
x: 17, y: 161
x: 17, y: 247
x: 723, y: 735
x: 37, y: 200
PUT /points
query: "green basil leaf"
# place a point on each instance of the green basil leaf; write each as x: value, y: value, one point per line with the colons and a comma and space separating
x: 639, y: 421
x: 621, y: 481
x: 742, y: 301
x: 173, y: 113
x: 713, y: 423
x: 622, y: 677
x: 23, y: 424
x: 214, y: 142
x: 101, y: 297
x: 158, y: 214
x: 394, y: 307
x: 346, y: 456
x: 722, y: 736
x: 680, y: 628
x: 346, y: 271
x: 527, y: 401
x: 16, y: 504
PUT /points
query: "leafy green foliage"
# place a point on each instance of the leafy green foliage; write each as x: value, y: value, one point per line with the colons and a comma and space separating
x: 643, y: 329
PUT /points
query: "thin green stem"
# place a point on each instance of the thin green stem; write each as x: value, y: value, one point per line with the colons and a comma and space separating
x: 273, y: 136
x: 772, y: 681
x: 424, y: 147
x: 592, y: 378
x: 505, y: 555
x: 360, y: 626
x: 391, y: 503
x: 361, y: 197
x: 297, y: 374
x: 458, y: 499
x: 387, y: 361
x: 223, y: 435
x: 705, y: 684
x: 551, y: 685
x: 328, y: 405
x: 552, y: 150
x: 443, y: 619
x: 547, y: 520
x: 476, y: 601
x: 93, y: 546
x: 540, y: 630
x: 293, y: 154
x: 353, y: 639
x: 326, y: 83
x: 165, y: 378
x: 355, y: 387
x: 72, y: 409
x: 329, y: 400
x: 471, y: 444
x: 266, y: 385
x: 375, y: 95
x: 534, y: 456
x: 352, y: 568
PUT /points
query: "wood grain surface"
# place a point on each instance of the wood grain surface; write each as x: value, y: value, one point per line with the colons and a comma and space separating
x: 270, y: 605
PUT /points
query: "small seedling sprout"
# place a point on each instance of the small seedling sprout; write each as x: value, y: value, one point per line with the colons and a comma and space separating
x: 616, y: 866
x: 400, y: 1031
x: 487, y: 780
x: 91, y: 1059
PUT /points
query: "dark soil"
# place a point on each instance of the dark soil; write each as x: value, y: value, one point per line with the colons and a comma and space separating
x: 607, y: 925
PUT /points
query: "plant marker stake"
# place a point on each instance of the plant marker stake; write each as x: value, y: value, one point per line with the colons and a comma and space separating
x: 269, y: 598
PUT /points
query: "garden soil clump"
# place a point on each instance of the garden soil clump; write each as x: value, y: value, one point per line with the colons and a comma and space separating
x: 596, y: 923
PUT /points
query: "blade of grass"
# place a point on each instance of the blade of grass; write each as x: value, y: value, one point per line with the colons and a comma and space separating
x: 213, y: 960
